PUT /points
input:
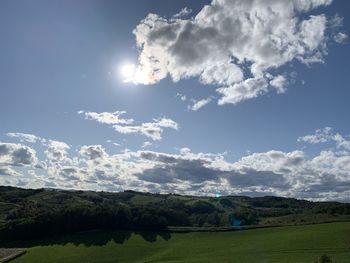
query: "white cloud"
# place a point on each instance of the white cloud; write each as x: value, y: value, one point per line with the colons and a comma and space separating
x: 181, y: 96
x: 279, y: 82
x: 320, y: 136
x: 336, y: 21
x: 107, y: 117
x: 56, y: 151
x: 146, y: 144
x: 221, y: 74
x: 234, y: 44
x: 25, y: 137
x: 341, y: 142
x: 152, y: 130
x: 327, y: 135
x: 340, y: 37
x: 199, y: 104
x: 247, y: 89
x: 114, y: 143
x: 183, y: 12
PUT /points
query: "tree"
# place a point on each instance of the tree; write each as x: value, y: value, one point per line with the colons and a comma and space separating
x: 324, y: 259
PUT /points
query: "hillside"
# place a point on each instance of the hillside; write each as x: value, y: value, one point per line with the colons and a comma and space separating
x: 28, y: 213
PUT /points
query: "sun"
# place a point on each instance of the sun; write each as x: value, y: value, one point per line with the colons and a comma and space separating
x: 128, y: 71
x: 141, y: 74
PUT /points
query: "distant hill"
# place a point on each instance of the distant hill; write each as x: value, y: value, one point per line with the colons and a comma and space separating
x: 33, y: 213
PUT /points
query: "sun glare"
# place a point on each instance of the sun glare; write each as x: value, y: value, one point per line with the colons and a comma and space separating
x: 136, y: 74
x: 128, y: 71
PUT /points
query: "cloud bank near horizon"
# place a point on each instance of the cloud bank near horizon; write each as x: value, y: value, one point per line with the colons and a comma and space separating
x: 324, y: 176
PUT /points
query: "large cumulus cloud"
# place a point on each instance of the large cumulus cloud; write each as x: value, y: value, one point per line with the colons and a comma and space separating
x: 233, y: 44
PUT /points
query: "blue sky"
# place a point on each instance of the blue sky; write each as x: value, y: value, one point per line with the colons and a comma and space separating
x: 269, y: 81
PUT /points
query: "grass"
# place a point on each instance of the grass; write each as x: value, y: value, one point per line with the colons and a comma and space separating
x: 280, y: 244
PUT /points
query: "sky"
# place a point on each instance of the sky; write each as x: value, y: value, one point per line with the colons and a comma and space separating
x: 196, y: 97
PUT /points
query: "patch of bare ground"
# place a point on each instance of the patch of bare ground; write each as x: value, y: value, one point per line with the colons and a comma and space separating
x: 7, y: 254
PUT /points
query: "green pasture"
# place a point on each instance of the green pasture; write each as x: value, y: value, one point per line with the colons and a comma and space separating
x: 279, y: 244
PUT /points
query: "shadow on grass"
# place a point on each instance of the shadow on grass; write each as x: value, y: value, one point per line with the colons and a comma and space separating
x: 92, y: 238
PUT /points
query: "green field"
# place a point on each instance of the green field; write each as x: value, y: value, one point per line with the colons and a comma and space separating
x: 281, y: 244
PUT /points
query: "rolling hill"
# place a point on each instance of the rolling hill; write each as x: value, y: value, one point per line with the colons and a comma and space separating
x: 34, y: 213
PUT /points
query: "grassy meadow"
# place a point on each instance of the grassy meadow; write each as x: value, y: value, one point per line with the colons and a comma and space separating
x: 277, y: 244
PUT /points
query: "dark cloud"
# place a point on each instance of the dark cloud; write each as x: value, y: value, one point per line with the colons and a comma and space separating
x: 16, y: 154
x: 193, y: 171
x: 92, y: 151
x: 7, y: 171
x: 252, y: 177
